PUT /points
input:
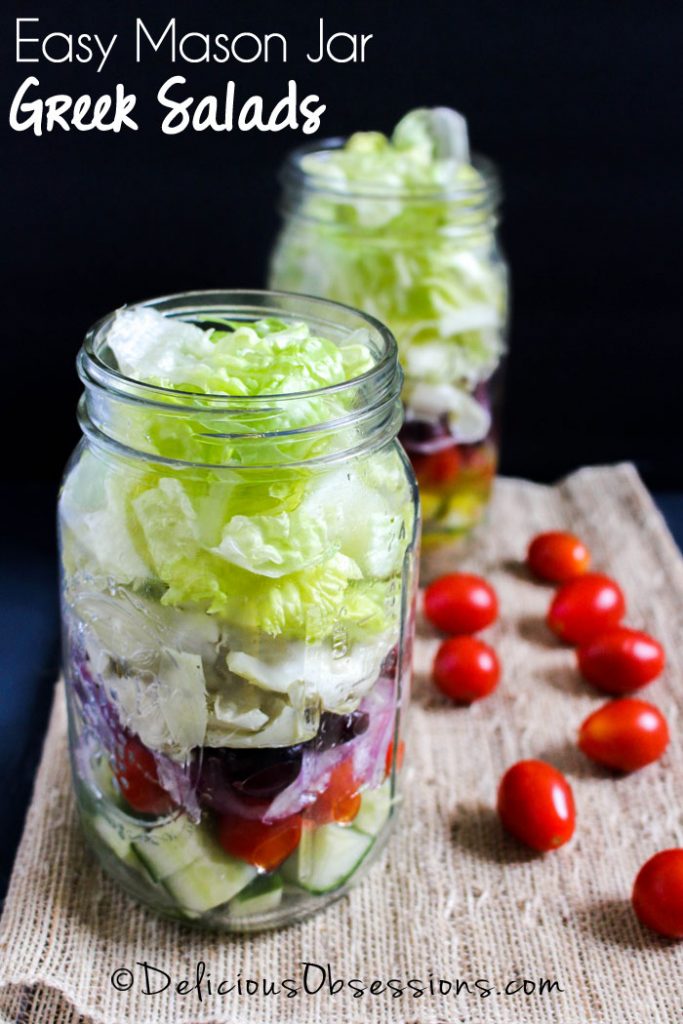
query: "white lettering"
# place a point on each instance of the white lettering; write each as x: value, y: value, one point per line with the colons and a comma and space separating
x: 25, y: 39
x: 179, y: 118
x: 52, y: 112
x: 140, y: 27
x: 341, y: 47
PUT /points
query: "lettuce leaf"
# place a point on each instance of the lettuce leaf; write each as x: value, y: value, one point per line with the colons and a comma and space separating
x: 274, y: 545
x: 269, y: 357
x: 262, y: 361
x: 280, y: 551
x: 401, y: 235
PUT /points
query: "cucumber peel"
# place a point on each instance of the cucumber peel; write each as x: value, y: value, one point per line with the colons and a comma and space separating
x: 374, y: 810
x: 328, y: 859
x: 260, y: 896
x: 208, y: 882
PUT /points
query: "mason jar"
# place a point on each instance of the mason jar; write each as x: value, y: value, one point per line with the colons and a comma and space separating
x: 238, y: 591
x: 428, y: 264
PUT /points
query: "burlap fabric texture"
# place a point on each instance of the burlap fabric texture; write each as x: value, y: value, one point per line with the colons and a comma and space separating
x: 453, y: 898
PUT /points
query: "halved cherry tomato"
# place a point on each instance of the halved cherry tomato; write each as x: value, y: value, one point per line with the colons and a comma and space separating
x: 558, y: 556
x: 585, y: 607
x: 621, y: 660
x: 460, y: 603
x: 265, y: 845
x: 136, y: 774
x: 658, y: 893
x: 390, y: 756
x: 466, y: 669
x: 436, y: 469
x: 625, y: 734
x: 536, y: 805
x: 340, y: 801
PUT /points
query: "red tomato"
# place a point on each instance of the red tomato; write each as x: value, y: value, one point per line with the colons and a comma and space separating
x: 585, y: 607
x: 390, y: 756
x: 136, y: 774
x: 658, y: 893
x: 265, y: 845
x: 558, y: 556
x: 466, y: 669
x: 626, y: 734
x: 438, y: 468
x: 620, y: 660
x: 460, y: 603
x: 341, y: 800
x: 536, y: 805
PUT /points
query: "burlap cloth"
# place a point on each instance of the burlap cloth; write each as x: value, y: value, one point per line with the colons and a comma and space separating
x: 453, y: 897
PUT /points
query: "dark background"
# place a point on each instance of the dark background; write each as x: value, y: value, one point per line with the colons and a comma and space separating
x: 579, y: 103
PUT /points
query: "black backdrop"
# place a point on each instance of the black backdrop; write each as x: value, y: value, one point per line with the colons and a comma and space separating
x: 580, y: 104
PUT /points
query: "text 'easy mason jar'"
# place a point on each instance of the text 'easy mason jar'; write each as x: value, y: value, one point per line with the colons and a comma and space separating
x: 238, y: 528
x: 405, y: 229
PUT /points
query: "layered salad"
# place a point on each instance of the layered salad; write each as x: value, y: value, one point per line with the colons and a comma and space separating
x: 404, y: 228
x: 236, y: 580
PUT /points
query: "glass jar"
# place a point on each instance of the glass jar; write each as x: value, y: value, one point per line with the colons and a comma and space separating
x: 238, y: 594
x: 428, y: 264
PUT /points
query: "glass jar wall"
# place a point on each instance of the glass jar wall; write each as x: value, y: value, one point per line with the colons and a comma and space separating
x: 405, y: 229
x: 238, y: 529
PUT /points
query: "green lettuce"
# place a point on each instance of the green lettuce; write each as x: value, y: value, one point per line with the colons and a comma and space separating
x: 266, y: 362
x: 285, y: 572
x: 264, y: 547
x: 394, y: 227
x: 268, y: 357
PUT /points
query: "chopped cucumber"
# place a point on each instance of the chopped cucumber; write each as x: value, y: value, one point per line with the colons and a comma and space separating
x: 261, y: 895
x: 208, y: 882
x: 103, y: 778
x: 331, y: 855
x: 168, y: 848
x: 374, y: 810
x: 118, y: 839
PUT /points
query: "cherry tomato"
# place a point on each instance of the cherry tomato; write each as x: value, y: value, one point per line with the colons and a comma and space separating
x: 466, y: 669
x: 340, y: 801
x: 625, y: 734
x: 390, y: 756
x: 436, y: 469
x: 265, y: 845
x: 658, y: 893
x: 558, y: 556
x: 460, y: 603
x: 585, y: 607
x: 621, y: 660
x: 536, y: 805
x: 136, y: 774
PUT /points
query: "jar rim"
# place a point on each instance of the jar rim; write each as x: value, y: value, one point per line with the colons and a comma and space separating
x: 253, y: 304
x: 368, y: 402
x: 293, y: 173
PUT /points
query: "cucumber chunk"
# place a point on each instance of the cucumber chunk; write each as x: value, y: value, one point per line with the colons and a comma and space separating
x: 103, y: 777
x: 169, y: 848
x: 118, y: 839
x: 374, y: 810
x: 208, y: 882
x: 328, y: 859
x: 260, y: 896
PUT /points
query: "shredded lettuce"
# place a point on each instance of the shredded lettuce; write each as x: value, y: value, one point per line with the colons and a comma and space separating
x: 275, y: 557
x: 268, y: 357
x: 277, y: 554
x: 394, y: 226
x: 266, y: 361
